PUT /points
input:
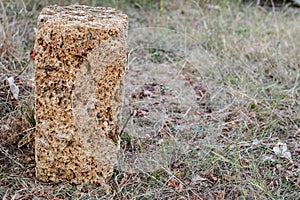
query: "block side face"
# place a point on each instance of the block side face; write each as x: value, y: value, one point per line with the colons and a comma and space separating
x: 78, y: 95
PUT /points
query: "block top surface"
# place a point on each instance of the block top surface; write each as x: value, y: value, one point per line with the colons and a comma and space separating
x: 93, y: 17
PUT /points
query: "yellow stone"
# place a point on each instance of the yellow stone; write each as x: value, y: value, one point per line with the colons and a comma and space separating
x: 79, y: 72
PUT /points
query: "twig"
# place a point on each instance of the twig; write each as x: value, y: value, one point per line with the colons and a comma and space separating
x: 125, y: 124
x: 26, y: 66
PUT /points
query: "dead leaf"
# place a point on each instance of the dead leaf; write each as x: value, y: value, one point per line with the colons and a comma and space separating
x: 196, y: 179
x: 281, y: 149
x: 179, y: 188
x: 13, y: 87
x: 269, y: 157
x: 32, y: 54
x: 256, y: 142
x: 172, y: 183
x: 179, y: 173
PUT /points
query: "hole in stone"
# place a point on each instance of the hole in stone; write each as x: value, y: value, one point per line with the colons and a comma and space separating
x: 100, y: 174
x: 59, y: 101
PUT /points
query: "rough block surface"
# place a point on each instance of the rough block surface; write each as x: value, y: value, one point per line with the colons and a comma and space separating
x: 79, y: 66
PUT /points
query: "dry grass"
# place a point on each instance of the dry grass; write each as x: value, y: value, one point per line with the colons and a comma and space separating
x: 212, y: 89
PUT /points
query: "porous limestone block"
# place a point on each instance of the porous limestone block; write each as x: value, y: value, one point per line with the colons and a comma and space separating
x: 79, y: 66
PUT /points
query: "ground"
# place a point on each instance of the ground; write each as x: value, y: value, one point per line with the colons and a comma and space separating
x: 212, y: 101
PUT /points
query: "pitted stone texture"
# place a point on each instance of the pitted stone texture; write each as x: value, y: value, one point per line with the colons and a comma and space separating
x: 79, y: 68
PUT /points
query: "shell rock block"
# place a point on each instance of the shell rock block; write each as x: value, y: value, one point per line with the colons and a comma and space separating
x: 79, y: 82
